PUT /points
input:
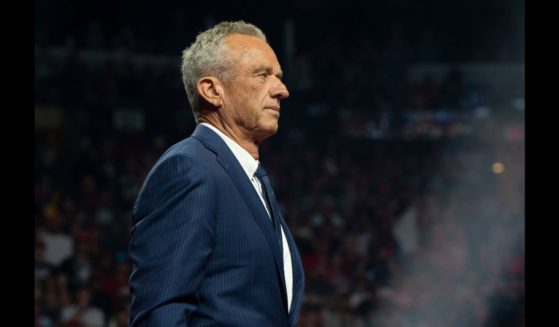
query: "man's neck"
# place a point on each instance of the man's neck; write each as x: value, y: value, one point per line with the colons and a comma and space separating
x: 234, y: 133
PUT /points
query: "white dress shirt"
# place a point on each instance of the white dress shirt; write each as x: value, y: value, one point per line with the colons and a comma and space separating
x: 250, y: 165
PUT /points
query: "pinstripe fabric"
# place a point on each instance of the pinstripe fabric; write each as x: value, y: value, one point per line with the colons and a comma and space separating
x: 203, y: 249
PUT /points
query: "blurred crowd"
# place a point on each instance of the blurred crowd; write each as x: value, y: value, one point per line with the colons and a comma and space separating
x: 396, y: 226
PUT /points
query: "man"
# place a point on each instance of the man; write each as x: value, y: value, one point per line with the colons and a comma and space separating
x: 209, y: 245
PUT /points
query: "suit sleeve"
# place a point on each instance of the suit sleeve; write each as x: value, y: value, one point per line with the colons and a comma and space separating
x: 172, y: 238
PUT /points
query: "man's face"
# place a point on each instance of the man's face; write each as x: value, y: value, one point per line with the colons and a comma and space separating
x: 251, y: 99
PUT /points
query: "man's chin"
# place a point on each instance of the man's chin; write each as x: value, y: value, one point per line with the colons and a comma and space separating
x: 268, y: 129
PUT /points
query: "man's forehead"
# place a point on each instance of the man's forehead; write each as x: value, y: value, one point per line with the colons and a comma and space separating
x: 242, y: 42
x: 252, y: 50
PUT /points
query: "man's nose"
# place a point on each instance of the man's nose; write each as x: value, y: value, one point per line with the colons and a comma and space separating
x: 279, y: 91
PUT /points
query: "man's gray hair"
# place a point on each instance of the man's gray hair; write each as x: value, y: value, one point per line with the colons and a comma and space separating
x: 206, y: 57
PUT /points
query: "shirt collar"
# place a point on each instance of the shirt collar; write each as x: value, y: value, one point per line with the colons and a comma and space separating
x: 244, y: 158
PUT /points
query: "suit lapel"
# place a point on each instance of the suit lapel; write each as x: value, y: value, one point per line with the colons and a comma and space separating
x: 231, y: 165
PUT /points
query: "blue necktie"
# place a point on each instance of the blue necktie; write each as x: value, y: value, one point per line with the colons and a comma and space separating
x: 271, y: 200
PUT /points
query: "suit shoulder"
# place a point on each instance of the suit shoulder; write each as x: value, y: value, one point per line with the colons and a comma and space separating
x: 185, y: 158
x: 189, y: 147
x: 184, y: 168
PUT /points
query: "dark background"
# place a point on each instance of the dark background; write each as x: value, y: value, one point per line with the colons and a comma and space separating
x: 399, y: 162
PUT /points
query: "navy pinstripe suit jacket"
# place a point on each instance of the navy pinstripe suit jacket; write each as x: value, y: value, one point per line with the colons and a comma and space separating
x: 203, y: 247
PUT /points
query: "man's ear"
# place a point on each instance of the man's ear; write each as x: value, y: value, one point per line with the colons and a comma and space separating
x: 210, y: 90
